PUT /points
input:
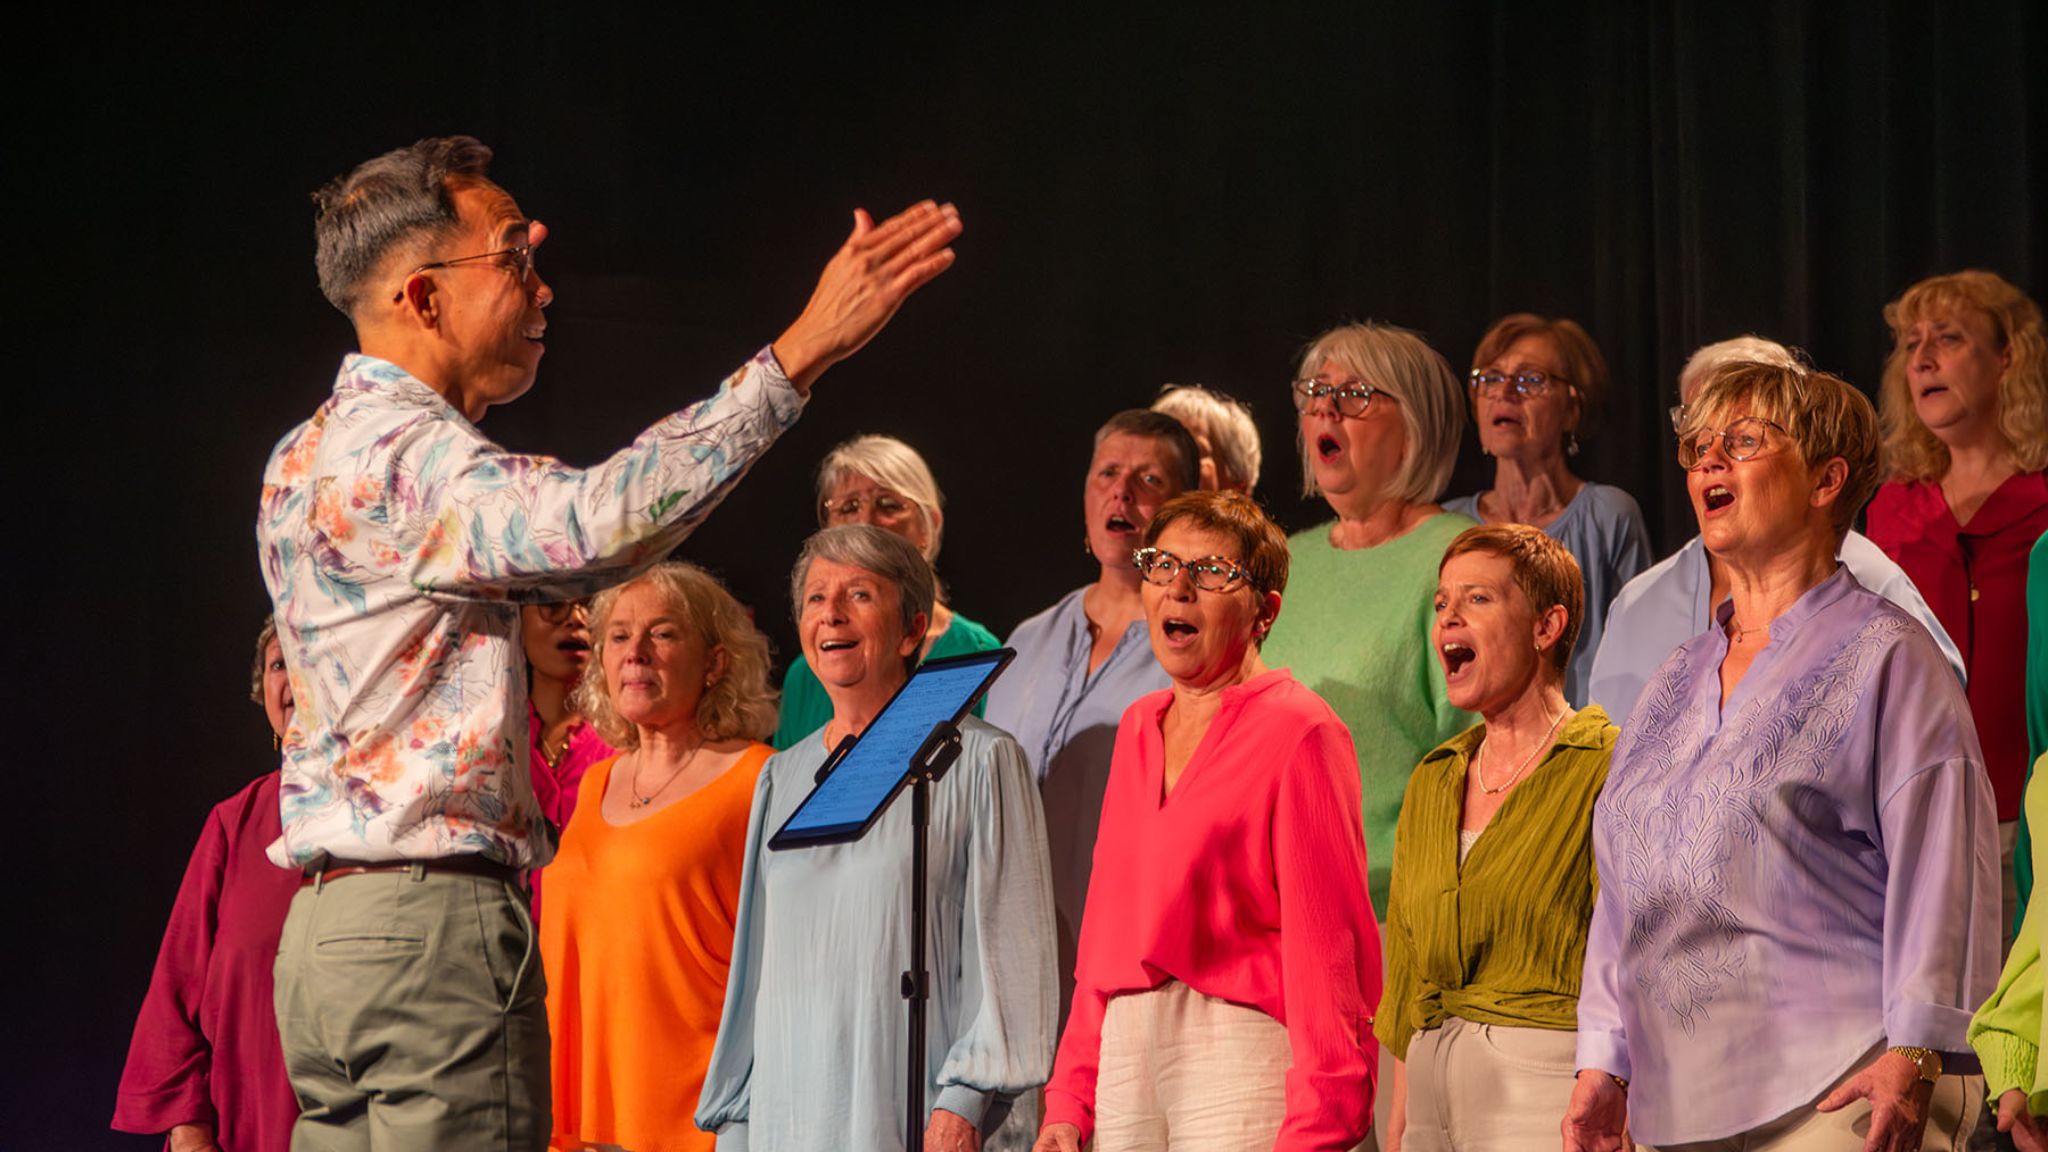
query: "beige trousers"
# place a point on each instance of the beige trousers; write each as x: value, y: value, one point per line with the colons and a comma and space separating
x: 1487, y: 1088
x: 1952, y: 1117
x: 1189, y: 1072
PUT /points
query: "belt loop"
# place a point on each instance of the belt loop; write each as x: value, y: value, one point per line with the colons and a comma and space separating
x: 419, y: 871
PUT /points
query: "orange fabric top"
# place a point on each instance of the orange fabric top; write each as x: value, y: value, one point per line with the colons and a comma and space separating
x: 637, y: 939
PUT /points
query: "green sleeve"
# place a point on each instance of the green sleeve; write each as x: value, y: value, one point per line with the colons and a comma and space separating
x: 805, y: 707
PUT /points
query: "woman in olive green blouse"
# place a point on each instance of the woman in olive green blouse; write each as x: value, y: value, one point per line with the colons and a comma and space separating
x: 1493, y: 878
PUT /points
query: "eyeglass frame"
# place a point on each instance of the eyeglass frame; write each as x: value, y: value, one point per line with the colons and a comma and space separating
x: 1238, y: 576
x: 522, y: 265
x: 1525, y: 385
x: 864, y: 500
x: 559, y: 612
x: 1308, y: 390
x: 1728, y: 449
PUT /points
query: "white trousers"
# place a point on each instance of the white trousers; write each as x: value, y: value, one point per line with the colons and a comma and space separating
x: 1487, y: 1088
x: 1187, y: 1072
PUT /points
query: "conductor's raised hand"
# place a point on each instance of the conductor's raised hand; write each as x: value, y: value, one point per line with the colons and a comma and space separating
x: 867, y: 280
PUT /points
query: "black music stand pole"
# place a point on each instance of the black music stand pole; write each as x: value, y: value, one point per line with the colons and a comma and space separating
x: 933, y: 759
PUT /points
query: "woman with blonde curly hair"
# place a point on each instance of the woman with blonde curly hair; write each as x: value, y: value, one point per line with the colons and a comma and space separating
x: 1964, y: 408
x: 637, y: 932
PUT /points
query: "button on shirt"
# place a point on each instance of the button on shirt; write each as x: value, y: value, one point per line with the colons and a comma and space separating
x: 398, y: 543
x: 1787, y: 881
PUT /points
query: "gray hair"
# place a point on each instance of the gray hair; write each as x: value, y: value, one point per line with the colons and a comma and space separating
x: 896, y: 466
x: 397, y: 200
x: 872, y: 550
x: 1426, y: 394
x: 1227, y: 422
x: 1146, y: 424
x: 1748, y: 349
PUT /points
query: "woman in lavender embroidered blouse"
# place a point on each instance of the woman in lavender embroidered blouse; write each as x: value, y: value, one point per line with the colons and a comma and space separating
x: 1797, y: 846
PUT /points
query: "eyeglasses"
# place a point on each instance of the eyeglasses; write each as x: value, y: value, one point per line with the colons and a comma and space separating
x: 1745, y: 439
x: 559, y: 612
x: 1352, y: 399
x: 1210, y: 573
x: 887, y: 505
x: 521, y: 265
x: 1494, y: 385
x: 1678, y: 418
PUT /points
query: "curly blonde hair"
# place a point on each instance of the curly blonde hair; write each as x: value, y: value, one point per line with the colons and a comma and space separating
x: 740, y: 703
x: 1911, y: 450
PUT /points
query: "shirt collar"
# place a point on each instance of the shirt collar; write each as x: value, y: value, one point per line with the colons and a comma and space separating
x: 1585, y: 730
x: 371, y: 376
x: 1789, y: 622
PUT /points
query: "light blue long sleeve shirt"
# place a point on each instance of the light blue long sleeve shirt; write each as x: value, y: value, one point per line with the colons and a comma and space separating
x: 811, y: 1047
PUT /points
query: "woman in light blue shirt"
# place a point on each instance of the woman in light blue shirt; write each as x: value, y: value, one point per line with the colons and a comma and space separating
x: 811, y: 1049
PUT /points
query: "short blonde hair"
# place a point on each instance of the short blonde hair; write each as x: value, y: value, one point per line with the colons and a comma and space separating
x: 1545, y: 571
x: 1585, y: 369
x: 896, y: 466
x: 1911, y: 450
x: 1824, y: 416
x: 1227, y: 424
x: 1425, y: 392
x: 740, y: 703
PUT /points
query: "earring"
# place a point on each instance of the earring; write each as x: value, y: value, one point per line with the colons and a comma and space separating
x: 276, y: 742
x: 1571, y: 443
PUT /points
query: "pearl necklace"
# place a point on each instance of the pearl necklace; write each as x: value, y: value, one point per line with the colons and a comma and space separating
x: 1528, y: 760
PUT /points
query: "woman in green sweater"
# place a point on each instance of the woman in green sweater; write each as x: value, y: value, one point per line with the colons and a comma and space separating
x: 882, y: 481
x: 1380, y: 417
x: 1493, y: 863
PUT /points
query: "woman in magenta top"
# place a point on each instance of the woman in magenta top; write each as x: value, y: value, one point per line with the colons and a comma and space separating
x: 205, y: 1068
x: 1964, y: 408
x: 1227, y: 983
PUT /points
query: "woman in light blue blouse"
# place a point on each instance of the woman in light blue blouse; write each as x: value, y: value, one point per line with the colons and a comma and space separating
x: 811, y: 1050
x: 1536, y: 386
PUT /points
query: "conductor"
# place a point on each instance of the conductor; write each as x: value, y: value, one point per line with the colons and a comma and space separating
x: 398, y: 544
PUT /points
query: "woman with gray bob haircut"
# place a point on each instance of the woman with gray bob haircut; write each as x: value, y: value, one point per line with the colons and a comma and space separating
x: 810, y: 1049
x: 882, y: 481
x: 1223, y: 429
x: 1380, y: 414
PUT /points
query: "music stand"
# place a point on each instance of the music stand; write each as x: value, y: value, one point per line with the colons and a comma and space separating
x: 913, y: 740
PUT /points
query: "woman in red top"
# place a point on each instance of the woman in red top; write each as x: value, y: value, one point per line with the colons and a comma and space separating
x: 205, y: 1068
x: 1227, y: 983
x: 1965, y: 412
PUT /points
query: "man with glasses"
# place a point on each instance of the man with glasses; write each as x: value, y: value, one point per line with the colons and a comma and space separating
x: 1674, y: 600
x: 398, y: 543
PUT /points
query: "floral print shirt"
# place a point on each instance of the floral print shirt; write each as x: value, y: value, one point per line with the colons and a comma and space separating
x: 398, y: 543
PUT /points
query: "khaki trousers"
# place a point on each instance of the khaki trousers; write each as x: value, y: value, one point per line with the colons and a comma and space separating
x: 1185, y: 1071
x: 1952, y: 1116
x: 1487, y: 1088
x: 413, y: 1014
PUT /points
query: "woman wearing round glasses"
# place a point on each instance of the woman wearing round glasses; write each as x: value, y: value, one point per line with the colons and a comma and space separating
x: 882, y: 481
x: 1228, y: 980
x: 1537, y: 383
x: 1796, y: 843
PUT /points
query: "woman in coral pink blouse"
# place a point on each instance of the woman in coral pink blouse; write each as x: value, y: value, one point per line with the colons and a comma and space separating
x: 1964, y: 407
x: 1227, y: 982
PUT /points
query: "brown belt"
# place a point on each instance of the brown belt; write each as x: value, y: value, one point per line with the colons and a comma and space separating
x: 467, y: 865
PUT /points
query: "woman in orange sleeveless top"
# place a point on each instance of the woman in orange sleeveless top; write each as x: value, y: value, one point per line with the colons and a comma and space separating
x: 637, y: 932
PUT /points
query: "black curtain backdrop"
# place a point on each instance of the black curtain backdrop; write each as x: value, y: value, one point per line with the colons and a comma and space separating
x: 1150, y: 196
